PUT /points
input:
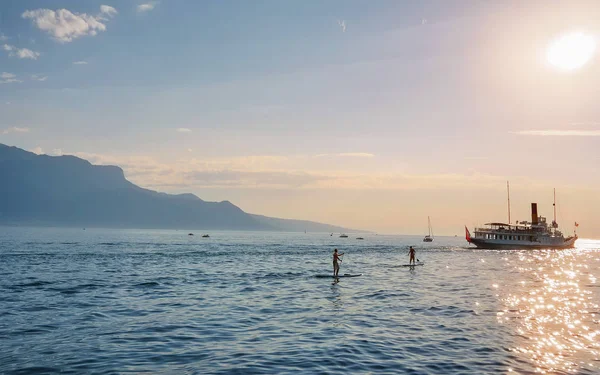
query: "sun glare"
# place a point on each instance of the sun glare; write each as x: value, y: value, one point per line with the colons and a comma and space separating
x: 571, y: 51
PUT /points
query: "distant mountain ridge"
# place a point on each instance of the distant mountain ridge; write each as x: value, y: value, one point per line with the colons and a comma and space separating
x: 69, y: 191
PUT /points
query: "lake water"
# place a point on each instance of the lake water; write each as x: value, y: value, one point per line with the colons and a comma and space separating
x: 133, y: 301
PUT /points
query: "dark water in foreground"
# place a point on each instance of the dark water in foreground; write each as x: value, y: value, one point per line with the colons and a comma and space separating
x: 101, y: 301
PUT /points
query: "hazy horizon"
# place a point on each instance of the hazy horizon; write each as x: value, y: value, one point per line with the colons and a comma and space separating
x: 368, y: 116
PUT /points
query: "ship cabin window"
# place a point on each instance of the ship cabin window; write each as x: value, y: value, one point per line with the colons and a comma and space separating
x: 510, y: 237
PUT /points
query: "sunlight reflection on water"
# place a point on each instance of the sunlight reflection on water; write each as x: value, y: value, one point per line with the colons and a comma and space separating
x: 554, y: 307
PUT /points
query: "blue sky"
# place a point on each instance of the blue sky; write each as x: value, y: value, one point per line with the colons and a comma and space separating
x: 357, y: 113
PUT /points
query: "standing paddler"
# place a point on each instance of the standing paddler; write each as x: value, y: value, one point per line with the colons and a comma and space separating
x: 411, y: 253
x: 336, y: 262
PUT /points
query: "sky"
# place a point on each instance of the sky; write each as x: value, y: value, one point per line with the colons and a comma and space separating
x: 368, y: 115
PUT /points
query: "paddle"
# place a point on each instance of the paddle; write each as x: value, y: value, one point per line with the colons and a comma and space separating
x: 341, y: 259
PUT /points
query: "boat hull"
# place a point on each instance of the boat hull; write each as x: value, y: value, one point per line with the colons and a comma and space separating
x: 568, y: 243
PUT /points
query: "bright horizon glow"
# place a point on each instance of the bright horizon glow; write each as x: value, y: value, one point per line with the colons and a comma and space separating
x: 571, y: 51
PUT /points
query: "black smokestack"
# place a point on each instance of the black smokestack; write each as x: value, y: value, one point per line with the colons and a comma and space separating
x: 534, y: 215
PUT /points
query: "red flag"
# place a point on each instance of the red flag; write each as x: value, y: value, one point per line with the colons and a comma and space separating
x: 468, y: 235
x: 576, y: 224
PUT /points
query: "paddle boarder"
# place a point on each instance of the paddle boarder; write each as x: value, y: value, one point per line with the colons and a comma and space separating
x: 336, y: 259
x: 411, y: 252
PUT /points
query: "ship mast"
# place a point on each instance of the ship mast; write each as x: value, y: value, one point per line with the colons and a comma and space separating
x: 508, y: 192
x: 554, y: 223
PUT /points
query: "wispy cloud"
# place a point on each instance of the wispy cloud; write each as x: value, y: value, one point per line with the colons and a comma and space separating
x: 108, y: 10
x: 15, y: 130
x: 8, y: 78
x: 563, y: 133
x: 146, y: 7
x: 183, y: 130
x: 22, y: 53
x: 342, y: 24
x: 255, y: 172
x: 38, y: 150
x: 81, y: 62
x: 3, y: 38
x: 65, y: 26
x: 347, y: 154
x: 35, y: 77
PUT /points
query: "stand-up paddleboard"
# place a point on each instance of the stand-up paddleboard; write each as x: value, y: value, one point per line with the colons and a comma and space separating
x: 344, y: 275
x: 410, y: 265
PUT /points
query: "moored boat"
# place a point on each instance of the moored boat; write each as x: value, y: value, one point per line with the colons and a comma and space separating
x: 429, y: 237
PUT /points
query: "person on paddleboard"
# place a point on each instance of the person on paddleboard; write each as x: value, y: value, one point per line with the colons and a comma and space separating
x: 336, y: 262
x: 411, y: 253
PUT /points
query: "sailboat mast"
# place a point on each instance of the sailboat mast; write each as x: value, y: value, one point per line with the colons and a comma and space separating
x: 508, y: 192
x: 554, y: 205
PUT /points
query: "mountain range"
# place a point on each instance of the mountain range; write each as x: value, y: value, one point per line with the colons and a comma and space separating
x: 69, y: 191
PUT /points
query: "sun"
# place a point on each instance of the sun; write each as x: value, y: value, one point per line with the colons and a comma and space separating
x: 571, y: 51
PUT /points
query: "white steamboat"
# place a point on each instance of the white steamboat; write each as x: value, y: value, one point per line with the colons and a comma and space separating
x: 536, y: 234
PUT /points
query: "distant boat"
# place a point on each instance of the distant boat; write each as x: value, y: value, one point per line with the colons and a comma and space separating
x: 331, y: 235
x: 343, y: 235
x: 429, y: 237
x: 190, y: 234
x: 205, y: 236
x: 359, y: 238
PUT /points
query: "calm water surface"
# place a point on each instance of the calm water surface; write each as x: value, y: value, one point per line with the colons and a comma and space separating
x: 106, y: 301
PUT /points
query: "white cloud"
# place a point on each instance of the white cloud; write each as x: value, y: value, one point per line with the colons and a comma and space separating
x: 347, y: 154
x: 35, y: 77
x: 342, y: 24
x: 564, y: 133
x: 65, y: 26
x: 3, y: 38
x: 15, y: 129
x: 146, y: 7
x: 184, y: 130
x: 8, y: 78
x: 22, y: 53
x: 57, y: 152
x: 108, y: 10
x: 38, y: 150
x: 357, y: 154
x: 81, y: 62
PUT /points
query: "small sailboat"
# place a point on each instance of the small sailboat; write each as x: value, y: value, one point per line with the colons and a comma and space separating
x: 429, y: 237
x: 343, y: 235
